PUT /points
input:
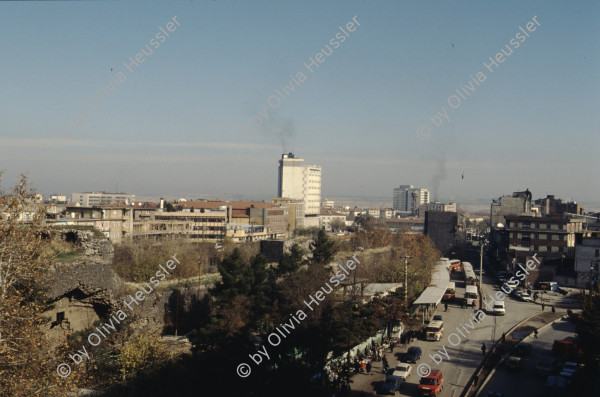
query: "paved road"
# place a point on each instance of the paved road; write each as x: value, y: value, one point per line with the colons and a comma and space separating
x: 463, y: 358
x: 526, y: 383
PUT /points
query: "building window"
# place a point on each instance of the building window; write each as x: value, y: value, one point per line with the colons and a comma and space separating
x: 560, y: 227
x: 537, y: 236
x: 549, y: 236
x: 536, y: 248
x: 526, y: 224
x: 597, y: 253
x: 525, y: 242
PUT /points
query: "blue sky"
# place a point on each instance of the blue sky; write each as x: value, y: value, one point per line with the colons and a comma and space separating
x: 173, y: 127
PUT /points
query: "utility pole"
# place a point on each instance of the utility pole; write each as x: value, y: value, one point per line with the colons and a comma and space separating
x: 406, y: 258
x: 481, y: 273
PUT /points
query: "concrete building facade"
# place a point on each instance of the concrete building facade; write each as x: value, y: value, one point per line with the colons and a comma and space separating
x: 101, y: 198
x: 297, y: 181
x: 408, y: 198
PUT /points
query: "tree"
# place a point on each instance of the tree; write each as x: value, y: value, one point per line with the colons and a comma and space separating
x: 338, y: 224
x: 323, y: 249
x: 140, y: 354
x: 291, y: 262
x: 26, y: 364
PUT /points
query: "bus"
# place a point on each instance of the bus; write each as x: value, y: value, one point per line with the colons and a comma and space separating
x: 450, y: 293
x: 470, y: 278
x: 471, y: 295
x: 434, y: 330
x: 455, y: 266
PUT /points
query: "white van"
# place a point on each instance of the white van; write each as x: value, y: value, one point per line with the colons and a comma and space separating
x: 499, y: 308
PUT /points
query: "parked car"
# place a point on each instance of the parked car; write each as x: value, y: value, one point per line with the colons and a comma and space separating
x: 413, y: 354
x: 432, y: 384
x: 498, y: 308
x: 522, y: 350
x: 402, y: 370
x: 391, y: 385
x: 571, y: 367
x: 515, y: 363
x: 545, y: 366
x: 556, y: 385
x: 512, y: 284
x: 524, y: 296
x: 437, y: 317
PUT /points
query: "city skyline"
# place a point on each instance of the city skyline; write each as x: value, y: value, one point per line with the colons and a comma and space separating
x: 178, y: 122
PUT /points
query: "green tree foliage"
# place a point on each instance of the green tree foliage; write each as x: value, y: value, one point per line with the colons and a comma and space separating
x: 290, y: 262
x: 323, y: 249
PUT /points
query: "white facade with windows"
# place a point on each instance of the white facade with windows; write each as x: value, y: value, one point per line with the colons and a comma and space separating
x: 297, y: 181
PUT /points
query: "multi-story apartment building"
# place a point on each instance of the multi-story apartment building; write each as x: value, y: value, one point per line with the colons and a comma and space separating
x: 517, y: 204
x: 386, y: 213
x: 553, y: 206
x: 587, y: 259
x: 295, y: 212
x: 548, y: 235
x: 436, y: 206
x: 408, y: 198
x: 327, y: 216
x: 101, y: 198
x: 297, y: 181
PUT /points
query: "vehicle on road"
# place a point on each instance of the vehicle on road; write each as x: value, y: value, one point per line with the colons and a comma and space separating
x: 522, y: 350
x: 402, y: 370
x: 546, y: 366
x: 391, y: 385
x: 571, y: 367
x: 477, y: 272
x: 434, y: 330
x: 438, y: 317
x: 432, y: 384
x: 450, y: 293
x: 556, y: 385
x: 498, y: 308
x: 471, y: 295
x: 455, y: 266
x: 470, y: 278
x: 413, y: 354
x: 515, y: 363
x: 524, y: 296
x: 512, y: 284
x: 567, y: 348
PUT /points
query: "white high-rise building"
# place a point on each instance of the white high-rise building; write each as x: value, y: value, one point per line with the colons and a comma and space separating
x: 408, y: 198
x: 297, y: 181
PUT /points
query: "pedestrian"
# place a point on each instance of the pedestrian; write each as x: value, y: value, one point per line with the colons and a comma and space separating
x: 535, y: 332
x: 483, y: 349
x: 392, y: 344
x: 553, y: 310
x: 475, y: 380
x: 363, y: 366
x: 503, y: 338
x: 473, y: 304
x: 543, y: 306
x: 463, y: 305
x: 445, y: 307
x: 369, y: 366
